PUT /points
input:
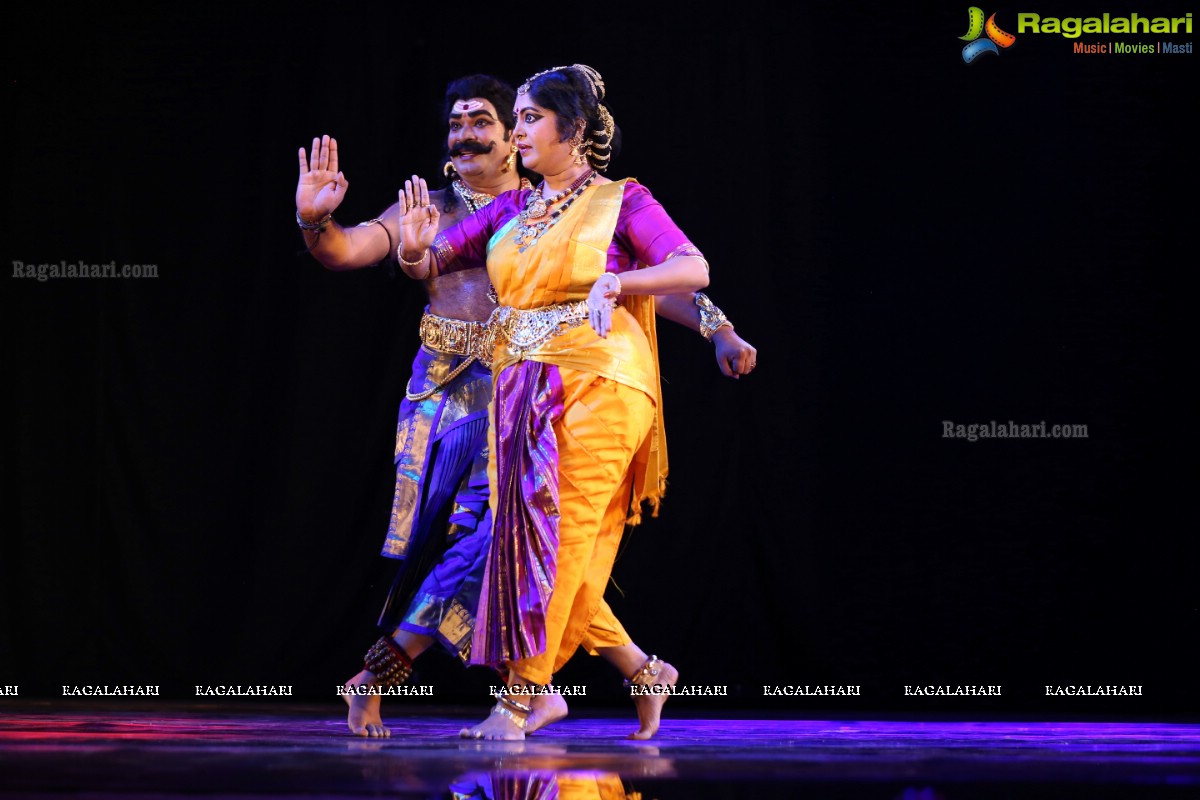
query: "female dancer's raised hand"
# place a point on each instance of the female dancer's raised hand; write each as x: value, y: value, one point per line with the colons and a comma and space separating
x: 418, y: 218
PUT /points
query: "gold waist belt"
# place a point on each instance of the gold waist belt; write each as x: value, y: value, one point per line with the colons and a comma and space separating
x: 528, y: 329
x: 458, y: 337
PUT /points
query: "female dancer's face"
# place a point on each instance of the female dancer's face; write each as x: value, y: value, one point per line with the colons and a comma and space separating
x: 537, y: 138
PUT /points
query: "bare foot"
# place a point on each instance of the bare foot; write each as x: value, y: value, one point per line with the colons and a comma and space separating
x: 364, y: 719
x: 496, y: 726
x: 547, y: 709
x: 649, y: 706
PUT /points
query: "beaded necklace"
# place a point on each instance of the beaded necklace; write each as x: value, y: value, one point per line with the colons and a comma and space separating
x: 535, y: 208
x: 538, y: 202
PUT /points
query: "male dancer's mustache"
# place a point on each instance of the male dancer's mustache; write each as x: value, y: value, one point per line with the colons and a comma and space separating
x: 474, y: 148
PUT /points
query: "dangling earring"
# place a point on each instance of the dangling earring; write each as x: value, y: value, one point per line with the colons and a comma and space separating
x: 447, y: 168
x: 576, y: 143
x: 511, y: 160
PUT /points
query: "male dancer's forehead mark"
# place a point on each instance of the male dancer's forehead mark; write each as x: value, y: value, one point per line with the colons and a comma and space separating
x: 472, y: 114
x: 467, y: 105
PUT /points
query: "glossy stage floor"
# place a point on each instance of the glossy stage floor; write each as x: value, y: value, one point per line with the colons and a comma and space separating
x: 244, y: 751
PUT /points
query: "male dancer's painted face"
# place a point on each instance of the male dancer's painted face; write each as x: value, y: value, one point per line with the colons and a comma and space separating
x: 476, y: 138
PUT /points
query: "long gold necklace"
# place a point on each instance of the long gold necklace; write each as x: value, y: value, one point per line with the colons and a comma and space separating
x: 535, y: 208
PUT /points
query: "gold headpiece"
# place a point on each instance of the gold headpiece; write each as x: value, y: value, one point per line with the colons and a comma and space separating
x: 595, y: 82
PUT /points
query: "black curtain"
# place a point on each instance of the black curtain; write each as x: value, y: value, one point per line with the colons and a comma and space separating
x: 198, y: 464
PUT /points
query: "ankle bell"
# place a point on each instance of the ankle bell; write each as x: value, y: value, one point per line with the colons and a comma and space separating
x: 390, y: 665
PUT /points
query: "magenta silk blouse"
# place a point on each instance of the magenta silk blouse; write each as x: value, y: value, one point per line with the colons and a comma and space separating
x: 644, y: 236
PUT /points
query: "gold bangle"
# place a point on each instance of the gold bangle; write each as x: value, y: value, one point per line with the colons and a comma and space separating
x: 410, y: 264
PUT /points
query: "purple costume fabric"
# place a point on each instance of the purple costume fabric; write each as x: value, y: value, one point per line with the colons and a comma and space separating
x: 644, y: 236
x: 436, y: 588
x: 528, y: 401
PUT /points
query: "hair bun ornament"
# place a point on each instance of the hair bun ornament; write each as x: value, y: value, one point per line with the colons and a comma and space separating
x: 608, y: 127
x: 606, y: 120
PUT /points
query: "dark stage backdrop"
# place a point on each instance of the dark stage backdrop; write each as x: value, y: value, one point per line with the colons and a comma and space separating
x: 197, y: 466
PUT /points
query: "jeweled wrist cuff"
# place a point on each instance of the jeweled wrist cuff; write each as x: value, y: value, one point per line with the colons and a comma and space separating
x: 712, y: 318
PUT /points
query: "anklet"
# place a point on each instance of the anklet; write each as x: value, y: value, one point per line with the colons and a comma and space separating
x: 649, y: 670
x: 520, y: 708
x: 519, y: 721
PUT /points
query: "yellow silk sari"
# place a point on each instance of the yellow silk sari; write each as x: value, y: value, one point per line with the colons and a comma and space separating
x: 561, y: 268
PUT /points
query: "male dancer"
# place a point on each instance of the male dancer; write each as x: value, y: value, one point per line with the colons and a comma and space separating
x: 442, y: 432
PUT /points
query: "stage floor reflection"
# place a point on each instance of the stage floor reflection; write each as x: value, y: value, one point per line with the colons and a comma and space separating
x: 60, y: 750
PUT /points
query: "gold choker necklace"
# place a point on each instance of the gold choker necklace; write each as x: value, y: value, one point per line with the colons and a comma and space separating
x: 474, y: 200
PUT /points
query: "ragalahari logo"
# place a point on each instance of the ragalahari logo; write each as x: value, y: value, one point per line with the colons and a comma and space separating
x: 976, y: 27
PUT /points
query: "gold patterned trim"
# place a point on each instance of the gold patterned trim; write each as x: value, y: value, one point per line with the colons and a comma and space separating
x: 688, y: 249
x: 443, y: 250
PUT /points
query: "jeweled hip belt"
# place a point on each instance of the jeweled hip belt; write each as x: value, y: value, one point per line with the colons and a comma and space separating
x: 458, y: 337
x: 528, y: 329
